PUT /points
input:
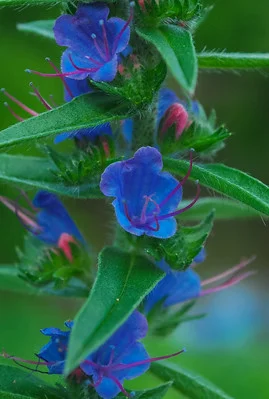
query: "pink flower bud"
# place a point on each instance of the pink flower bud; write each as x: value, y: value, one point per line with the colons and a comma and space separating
x: 175, y: 115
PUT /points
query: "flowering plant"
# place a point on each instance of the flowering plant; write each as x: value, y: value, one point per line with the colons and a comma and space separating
x: 136, y: 143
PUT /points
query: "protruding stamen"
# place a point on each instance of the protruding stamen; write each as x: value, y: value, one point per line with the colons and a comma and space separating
x: 117, y: 382
x: 157, y: 228
x: 61, y: 77
x: 185, y: 208
x: 98, y: 48
x: 52, y: 75
x: 146, y: 361
x: 234, y: 280
x: 129, y: 20
x: 228, y: 272
x: 181, y: 184
x: 102, y: 24
x: 41, y: 98
x: 13, y: 113
x: 19, y: 103
x: 23, y: 214
x: 89, y: 70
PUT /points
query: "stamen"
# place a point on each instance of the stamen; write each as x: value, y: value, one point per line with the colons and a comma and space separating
x: 13, y: 113
x: 81, y: 69
x: 61, y: 77
x: 42, y: 99
x: 19, y: 103
x: 52, y: 75
x: 53, y: 101
x: 117, y: 382
x: 157, y: 228
x: 19, y: 359
x: 126, y: 211
x: 228, y: 272
x: 21, y: 213
x: 129, y: 20
x: 102, y: 24
x: 185, y: 208
x: 98, y: 48
x: 234, y: 280
x: 146, y: 361
x: 144, y: 209
x: 181, y: 184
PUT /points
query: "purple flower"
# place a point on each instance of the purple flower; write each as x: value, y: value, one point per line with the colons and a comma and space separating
x: 93, y: 42
x: 54, y: 352
x: 122, y: 357
x: 180, y: 286
x: 175, y: 287
x: 146, y: 199
x: 48, y: 220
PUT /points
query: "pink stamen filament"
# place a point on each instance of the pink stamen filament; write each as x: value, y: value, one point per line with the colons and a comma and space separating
x: 98, y: 48
x: 234, y: 280
x: 19, y: 103
x: 81, y: 69
x: 63, y: 243
x: 178, y: 212
x: 181, y: 184
x: 228, y: 272
x: 102, y: 23
x: 41, y: 98
x: 53, y: 75
x: 13, y: 113
x: 118, y: 37
x: 117, y: 382
x: 61, y: 77
x: 146, y: 361
x: 21, y: 213
x: 18, y: 359
x: 93, y: 60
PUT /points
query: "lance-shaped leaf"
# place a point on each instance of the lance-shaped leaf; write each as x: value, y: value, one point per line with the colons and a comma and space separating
x: 84, y: 111
x: 176, y: 47
x: 154, y: 393
x: 225, y: 180
x: 41, y: 173
x: 18, y: 384
x: 42, y: 28
x: 191, y: 385
x: 16, y: 3
x: 215, y: 60
x: 123, y: 280
x: 225, y: 209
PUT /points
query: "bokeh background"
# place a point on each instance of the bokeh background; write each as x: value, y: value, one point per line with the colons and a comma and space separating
x: 231, y: 345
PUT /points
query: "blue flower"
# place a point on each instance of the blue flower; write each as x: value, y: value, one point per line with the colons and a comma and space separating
x: 174, y: 288
x: 93, y: 42
x: 115, y: 361
x: 53, y: 219
x: 180, y: 286
x: 54, y: 352
x: 122, y: 357
x: 146, y: 199
x: 49, y: 221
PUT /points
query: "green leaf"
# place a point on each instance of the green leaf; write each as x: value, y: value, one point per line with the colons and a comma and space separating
x: 42, y: 28
x: 225, y: 180
x: 123, y: 280
x: 176, y: 47
x: 153, y: 393
x: 214, y: 60
x: 83, y: 111
x: 40, y: 173
x: 180, y: 250
x: 225, y: 209
x: 17, y: 3
x: 18, y: 384
x: 191, y: 385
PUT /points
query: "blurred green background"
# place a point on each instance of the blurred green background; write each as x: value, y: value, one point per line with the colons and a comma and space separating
x: 231, y: 345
